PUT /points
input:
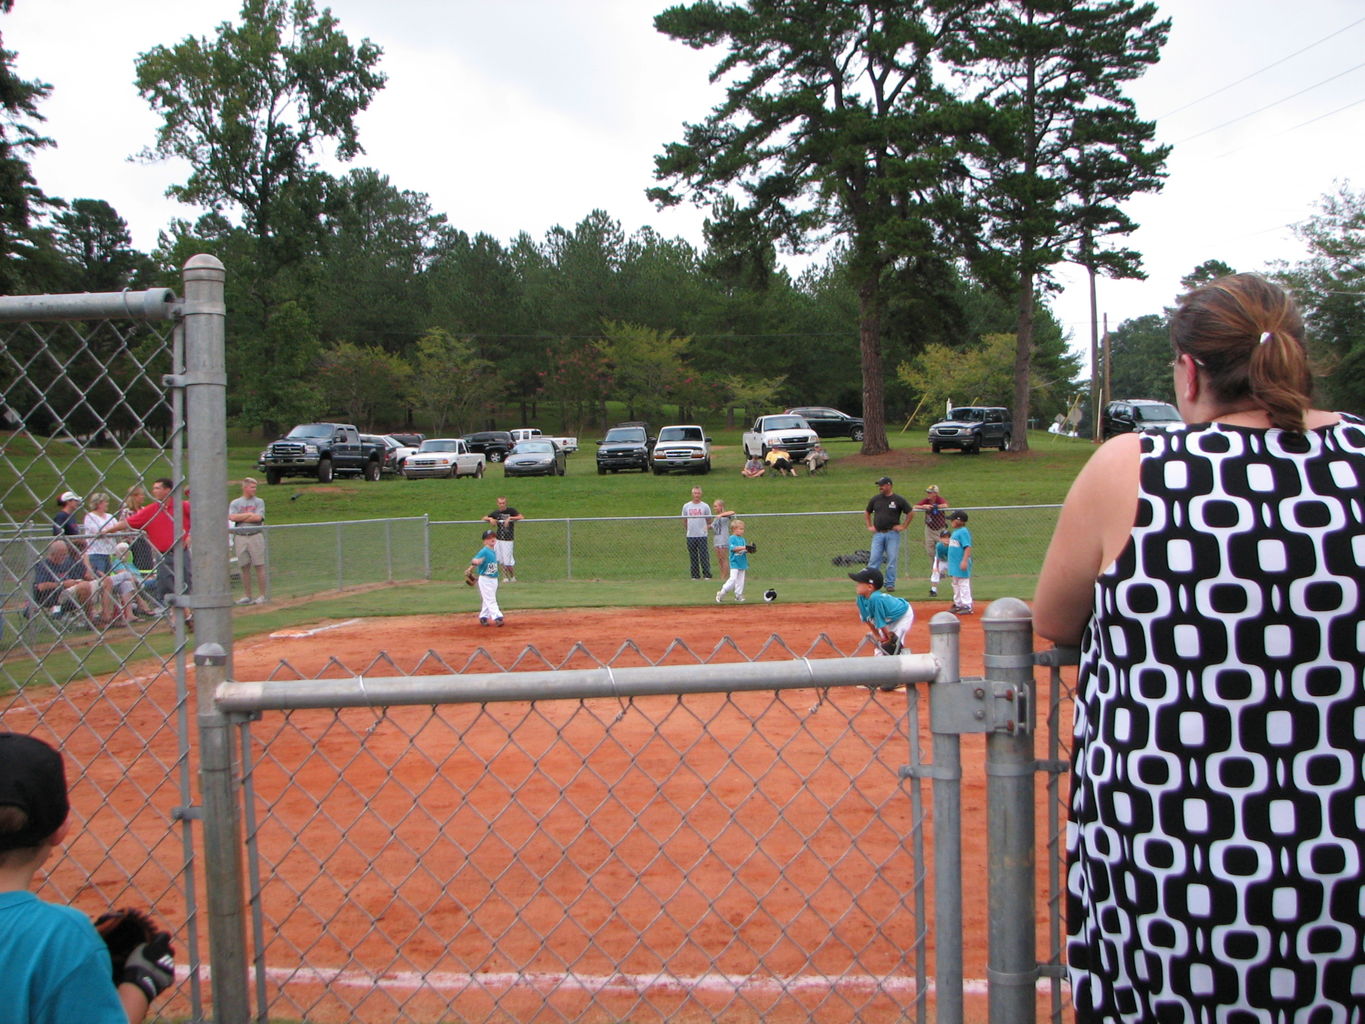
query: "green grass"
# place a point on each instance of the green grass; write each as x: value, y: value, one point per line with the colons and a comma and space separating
x: 1038, y: 477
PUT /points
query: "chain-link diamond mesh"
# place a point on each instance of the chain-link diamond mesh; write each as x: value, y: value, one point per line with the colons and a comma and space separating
x: 85, y: 411
x: 719, y: 856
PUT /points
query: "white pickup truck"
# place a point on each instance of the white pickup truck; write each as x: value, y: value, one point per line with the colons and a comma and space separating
x: 783, y: 430
x: 443, y: 456
x: 566, y: 444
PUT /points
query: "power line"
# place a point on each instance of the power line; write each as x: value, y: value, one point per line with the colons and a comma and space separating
x: 1282, y: 99
x: 1259, y: 71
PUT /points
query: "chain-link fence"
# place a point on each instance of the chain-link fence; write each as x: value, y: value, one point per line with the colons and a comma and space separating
x: 88, y: 414
x: 736, y: 841
x: 808, y: 549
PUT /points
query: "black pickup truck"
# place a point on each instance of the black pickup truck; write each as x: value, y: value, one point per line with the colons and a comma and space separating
x: 321, y: 450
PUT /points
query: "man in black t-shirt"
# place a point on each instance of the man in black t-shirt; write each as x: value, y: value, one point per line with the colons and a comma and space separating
x: 884, y: 522
x: 504, y: 519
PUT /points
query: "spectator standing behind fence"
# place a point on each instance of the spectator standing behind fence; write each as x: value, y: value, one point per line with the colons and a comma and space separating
x: 155, y: 520
x: 64, y: 522
x: 144, y: 556
x: 1212, y: 577
x: 935, y: 509
x: 99, y: 549
x: 55, y: 965
x: 883, y: 516
x: 504, y: 520
x: 696, y: 516
x: 246, y: 523
x: 720, y: 536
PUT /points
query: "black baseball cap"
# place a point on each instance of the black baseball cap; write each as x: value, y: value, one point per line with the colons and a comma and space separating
x: 884, y: 480
x: 33, y: 779
x: 959, y: 514
x: 873, y: 576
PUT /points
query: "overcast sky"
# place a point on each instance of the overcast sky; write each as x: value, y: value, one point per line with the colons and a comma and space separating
x: 517, y: 115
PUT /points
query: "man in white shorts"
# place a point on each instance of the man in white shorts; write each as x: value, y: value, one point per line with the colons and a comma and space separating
x: 246, y: 518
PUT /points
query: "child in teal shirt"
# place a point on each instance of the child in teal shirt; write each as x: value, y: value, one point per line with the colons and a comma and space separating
x: 888, y: 617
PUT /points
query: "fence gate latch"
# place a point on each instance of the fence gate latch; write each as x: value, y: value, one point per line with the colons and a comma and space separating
x: 980, y: 705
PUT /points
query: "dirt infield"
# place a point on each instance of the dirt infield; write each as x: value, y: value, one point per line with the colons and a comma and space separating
x: 576, y: 638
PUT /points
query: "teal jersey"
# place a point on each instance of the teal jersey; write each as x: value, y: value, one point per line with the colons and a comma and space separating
x: 881, y: 609
x: 957, y: 547
x: 739, y: 557
x: 489, y: 558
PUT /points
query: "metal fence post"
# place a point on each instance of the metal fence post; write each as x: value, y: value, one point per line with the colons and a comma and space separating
x: 945, y: 644
x: 205, y: 384
x: 1012, y: 971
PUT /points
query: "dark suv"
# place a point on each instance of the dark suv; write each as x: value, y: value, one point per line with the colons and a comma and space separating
x: 494, y: 444
x: 626, y: 446
x: 1129, y: 414
x: 970, y: 428
x: 827, y: 422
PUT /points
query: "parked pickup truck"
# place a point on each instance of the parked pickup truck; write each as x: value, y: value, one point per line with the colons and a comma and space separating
x: 443, y: 456
x: 321, y: 450
x: 566, y: 444
x: 783, y: 430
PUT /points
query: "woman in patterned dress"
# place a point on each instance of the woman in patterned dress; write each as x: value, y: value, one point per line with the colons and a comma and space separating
x: 1212, y: 576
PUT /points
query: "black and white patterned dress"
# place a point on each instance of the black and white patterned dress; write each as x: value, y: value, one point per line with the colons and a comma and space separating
x: 1217, y: 835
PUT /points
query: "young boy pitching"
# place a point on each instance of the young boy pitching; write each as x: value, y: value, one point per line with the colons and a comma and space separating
x: 888, y: 617
x: 739, y: 563
x: 485, y: 563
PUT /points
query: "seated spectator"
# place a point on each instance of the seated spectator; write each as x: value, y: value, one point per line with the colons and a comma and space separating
x: 780, y: 462
x: 817, y: 458
x: 753, y: 468
x: 127, y: 582
x: 62, y: 576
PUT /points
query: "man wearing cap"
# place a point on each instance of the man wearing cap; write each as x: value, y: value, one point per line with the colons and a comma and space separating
x: 62, y: 575
x: 55, y: 965
x: 934, y: 506
x: 64, y: 522
x: 883, y: 515
x: 246, y: 517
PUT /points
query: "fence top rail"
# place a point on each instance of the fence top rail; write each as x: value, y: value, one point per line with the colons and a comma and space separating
x: 574, y: 684
x: 346, y: 522
x: 747, y: 515
x: 152, y: 304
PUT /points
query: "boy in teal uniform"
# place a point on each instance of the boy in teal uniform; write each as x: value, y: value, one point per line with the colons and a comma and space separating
x: 888, y: 617
x: 960, y: 563
x: 486, y: 562
x: 55, y: 966
x: 739, y: 563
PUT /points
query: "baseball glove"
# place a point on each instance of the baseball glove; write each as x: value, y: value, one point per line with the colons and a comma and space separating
x: 892, y: 646
x: 471, y: 575
x: 751, y: 548
x: 139, y: 951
